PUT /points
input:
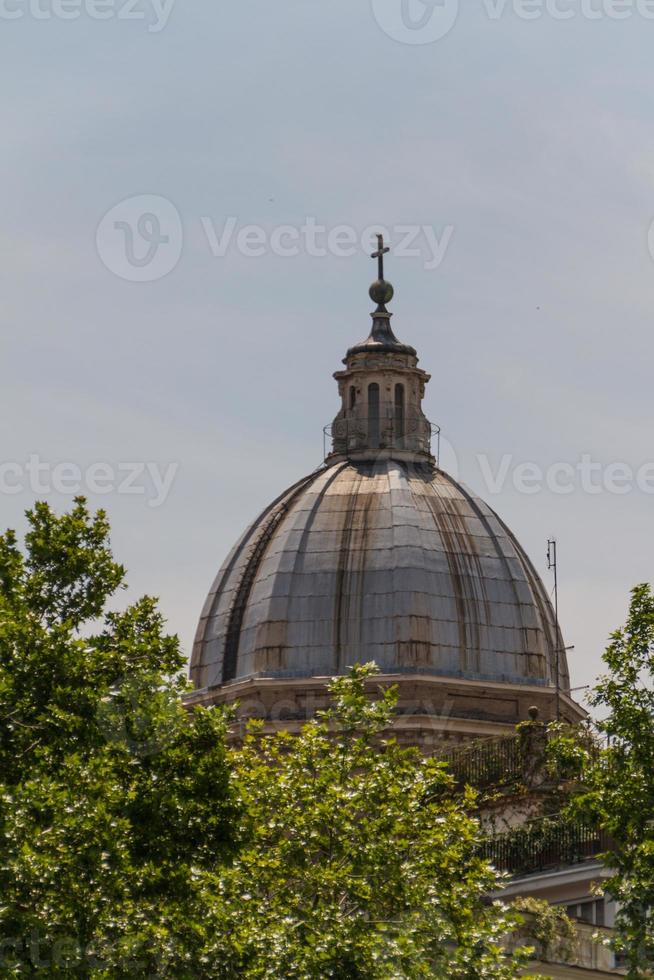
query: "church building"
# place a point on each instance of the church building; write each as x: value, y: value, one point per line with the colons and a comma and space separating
x: 379, y: 555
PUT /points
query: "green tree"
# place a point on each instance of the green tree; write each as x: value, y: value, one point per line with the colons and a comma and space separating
x: 616, y: 778
x: 358, y: 859
x: 112, y: 801
x: 134, y: 842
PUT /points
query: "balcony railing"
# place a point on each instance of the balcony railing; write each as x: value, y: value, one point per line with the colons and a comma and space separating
x: 544, y: 846
x: 512, y: 760
x: 498, y: 763
x: 352, y: 435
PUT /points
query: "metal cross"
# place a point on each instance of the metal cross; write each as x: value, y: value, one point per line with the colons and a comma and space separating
x: 379, y: 255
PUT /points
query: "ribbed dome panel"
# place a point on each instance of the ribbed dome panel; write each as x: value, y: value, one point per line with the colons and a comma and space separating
x: 387, y: 561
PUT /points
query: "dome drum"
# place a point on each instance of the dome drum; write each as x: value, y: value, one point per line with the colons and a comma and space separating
x: 431, y: 710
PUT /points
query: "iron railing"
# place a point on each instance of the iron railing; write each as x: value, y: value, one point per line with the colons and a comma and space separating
x: 413, y: 434
x: 515, y: 759
x: 544, y: 845
x: 497, y: 763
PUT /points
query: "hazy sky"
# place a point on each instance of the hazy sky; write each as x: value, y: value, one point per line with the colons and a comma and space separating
x: 524, y: 146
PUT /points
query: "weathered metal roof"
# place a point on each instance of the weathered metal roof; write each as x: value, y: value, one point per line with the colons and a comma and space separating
x: 378, y: 560
x: 381, y: 339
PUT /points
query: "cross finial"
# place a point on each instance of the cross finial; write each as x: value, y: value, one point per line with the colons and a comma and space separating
x: 379, y: 255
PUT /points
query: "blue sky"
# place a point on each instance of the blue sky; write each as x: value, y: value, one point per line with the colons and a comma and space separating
x: 531, y: 140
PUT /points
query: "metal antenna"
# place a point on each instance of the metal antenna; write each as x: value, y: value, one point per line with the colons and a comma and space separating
x: 552, y: 566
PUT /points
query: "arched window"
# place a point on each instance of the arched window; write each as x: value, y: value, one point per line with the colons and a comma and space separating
x: 373, y: 415
x: 353, y: 397
x: 399, y: 415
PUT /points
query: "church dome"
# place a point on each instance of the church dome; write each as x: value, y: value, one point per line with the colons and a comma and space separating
x: 388, y: 560
x: 381, y: 556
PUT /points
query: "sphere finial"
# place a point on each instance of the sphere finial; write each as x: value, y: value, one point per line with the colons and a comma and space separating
x: 381, y: 292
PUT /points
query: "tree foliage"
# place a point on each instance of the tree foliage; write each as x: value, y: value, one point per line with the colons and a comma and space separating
x: 135, y: 842
x: 111, y: 798
x: 359, y: 860
x: 616, y: 778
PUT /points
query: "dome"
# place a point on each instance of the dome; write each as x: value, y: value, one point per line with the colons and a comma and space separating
x: 380, y: 556
x: 387, y: 560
